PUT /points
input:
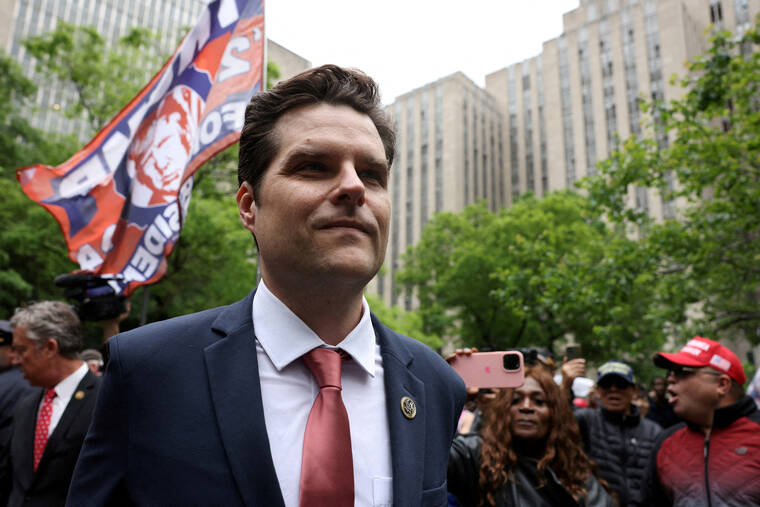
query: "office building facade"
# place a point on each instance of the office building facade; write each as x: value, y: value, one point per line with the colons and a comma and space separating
x: 448, y: 155
x: 168, y: 19
x: 544, y: 123
x: 591, y: 79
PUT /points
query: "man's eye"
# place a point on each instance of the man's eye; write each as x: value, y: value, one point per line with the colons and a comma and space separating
x: 313, y: 167
x: 373, y: 175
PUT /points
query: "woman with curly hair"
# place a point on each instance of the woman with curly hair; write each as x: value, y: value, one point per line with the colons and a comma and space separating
x: 528, y: 452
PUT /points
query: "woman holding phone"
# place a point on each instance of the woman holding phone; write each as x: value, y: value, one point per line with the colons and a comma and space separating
x: 528, y: 452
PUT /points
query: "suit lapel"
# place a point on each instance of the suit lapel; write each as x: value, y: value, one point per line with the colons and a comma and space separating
x: 27, y: 423
x: 233, y: 376
x: 407, y: 435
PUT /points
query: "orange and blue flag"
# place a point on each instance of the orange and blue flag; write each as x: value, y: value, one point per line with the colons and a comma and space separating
x: 120, y: 201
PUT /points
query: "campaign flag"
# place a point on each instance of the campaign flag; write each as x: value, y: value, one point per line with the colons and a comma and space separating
x: 120, y: 201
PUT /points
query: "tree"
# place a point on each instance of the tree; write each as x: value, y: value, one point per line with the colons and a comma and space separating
x: 213, y: 261
x: 32, y: 250
x: 103, y: 79
x: 532, y: 275
x: 708, y: 273
x: 406, y: 323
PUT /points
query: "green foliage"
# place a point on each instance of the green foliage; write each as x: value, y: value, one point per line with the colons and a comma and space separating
x: 406, y: 323
x: 533, y: 275
x: 32, y: 250
x: 708, y: 254
x: 213, y: 262
x: 273, y: 74
x: 104, y: 80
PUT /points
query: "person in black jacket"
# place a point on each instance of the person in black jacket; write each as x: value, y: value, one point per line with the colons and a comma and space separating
x: 615, y: 436
x: 526, y: 454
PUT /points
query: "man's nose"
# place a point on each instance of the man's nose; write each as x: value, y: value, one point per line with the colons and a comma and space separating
x: 350, y: 186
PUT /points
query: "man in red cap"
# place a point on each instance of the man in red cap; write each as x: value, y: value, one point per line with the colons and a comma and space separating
x: 713, y: 458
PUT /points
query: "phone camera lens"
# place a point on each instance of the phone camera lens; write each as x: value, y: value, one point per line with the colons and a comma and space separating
x: 511, y: 361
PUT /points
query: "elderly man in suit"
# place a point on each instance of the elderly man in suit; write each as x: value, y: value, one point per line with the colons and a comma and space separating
x: 50, y: 424
x: 297, y: 395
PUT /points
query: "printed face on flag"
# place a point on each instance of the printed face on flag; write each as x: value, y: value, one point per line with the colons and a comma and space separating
x: 122, y: 199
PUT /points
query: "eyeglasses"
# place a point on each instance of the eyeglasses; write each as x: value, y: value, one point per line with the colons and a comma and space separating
x: 682, y: 372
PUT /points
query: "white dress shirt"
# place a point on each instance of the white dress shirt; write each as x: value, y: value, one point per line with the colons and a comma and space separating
x: 64, y: 390
x: 288, y: 390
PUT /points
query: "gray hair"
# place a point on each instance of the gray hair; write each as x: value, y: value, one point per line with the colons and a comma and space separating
x: 47, y: 320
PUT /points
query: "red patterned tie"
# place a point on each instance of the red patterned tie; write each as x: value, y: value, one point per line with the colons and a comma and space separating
x: 327, y: 466
x: 43, y: 425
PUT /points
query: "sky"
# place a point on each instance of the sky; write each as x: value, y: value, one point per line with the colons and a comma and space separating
x: 405, y: 44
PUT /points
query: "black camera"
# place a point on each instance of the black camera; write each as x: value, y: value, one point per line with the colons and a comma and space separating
x: 94, y: 298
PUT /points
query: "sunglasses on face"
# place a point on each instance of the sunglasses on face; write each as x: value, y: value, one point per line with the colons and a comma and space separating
x: 682, y: 372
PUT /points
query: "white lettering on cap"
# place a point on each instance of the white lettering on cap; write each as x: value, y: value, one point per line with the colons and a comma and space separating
x: 698, y: 344
x: 691, y: 350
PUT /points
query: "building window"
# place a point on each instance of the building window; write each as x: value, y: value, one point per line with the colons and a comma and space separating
x: 608, y: 85
x: 542, y: 127
x: 528, y: 129
x: 396, y: 198
x: 512, y: 109
x: 409, y: 238
x: 424, y: 158
x: 567, y: 112
x: 438, y: 148
x: 586, y: 99
x: 466, y: 140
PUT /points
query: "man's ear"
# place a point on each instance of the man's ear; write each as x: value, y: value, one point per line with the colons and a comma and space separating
x: 50, y: 347
x: 246, y: 206
x: 724, y: 385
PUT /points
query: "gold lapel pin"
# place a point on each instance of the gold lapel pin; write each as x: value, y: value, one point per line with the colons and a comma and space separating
x: 408, y: 407
x: 79, y: 395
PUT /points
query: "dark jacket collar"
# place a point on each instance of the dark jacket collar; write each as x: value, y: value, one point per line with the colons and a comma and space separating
x: 725, y: 416
x: 632, y: 419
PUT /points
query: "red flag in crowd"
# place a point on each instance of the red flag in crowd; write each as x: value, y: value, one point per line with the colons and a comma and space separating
x: 120, y: 201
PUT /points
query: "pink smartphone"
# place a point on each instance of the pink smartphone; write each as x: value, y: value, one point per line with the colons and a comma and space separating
x: 491, y: 369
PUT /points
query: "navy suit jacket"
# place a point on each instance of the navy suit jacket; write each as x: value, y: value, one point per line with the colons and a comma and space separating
x: 179, y: 419
x: 48, y: 485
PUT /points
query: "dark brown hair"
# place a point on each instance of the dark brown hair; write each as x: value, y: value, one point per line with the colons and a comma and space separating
x: 327, y: 84
x: 563, y: 454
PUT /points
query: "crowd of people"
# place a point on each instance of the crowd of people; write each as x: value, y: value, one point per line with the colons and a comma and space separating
x: 693, y: 440
x: 298, y: 395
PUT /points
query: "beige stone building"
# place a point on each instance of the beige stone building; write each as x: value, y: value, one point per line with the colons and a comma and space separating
x: 448, y: 155
x: 170, y: 19
x: 543, y: 123
x: 568, y: 107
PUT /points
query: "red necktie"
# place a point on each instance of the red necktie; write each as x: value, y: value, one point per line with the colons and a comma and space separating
x: 327, y: 466
x: 43, y: 425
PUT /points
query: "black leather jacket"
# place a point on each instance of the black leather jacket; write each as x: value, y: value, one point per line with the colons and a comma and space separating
x: 520, y: 490
x: 621, y: 446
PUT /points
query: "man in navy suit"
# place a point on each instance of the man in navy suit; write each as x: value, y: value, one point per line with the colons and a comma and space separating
x: 49, y: 425
x: 212, y: 408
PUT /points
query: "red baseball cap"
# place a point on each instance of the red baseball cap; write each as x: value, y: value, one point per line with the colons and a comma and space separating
x: 700, y: 352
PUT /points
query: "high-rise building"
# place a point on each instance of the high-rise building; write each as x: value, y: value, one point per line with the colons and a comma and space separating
x: 569, y: 107
x: 543, y: 123
x: 169, y: 19
x: 448, y: 155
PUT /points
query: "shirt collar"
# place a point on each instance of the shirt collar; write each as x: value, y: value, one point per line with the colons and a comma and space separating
x: 285, y: 337
x: 65, y: 388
